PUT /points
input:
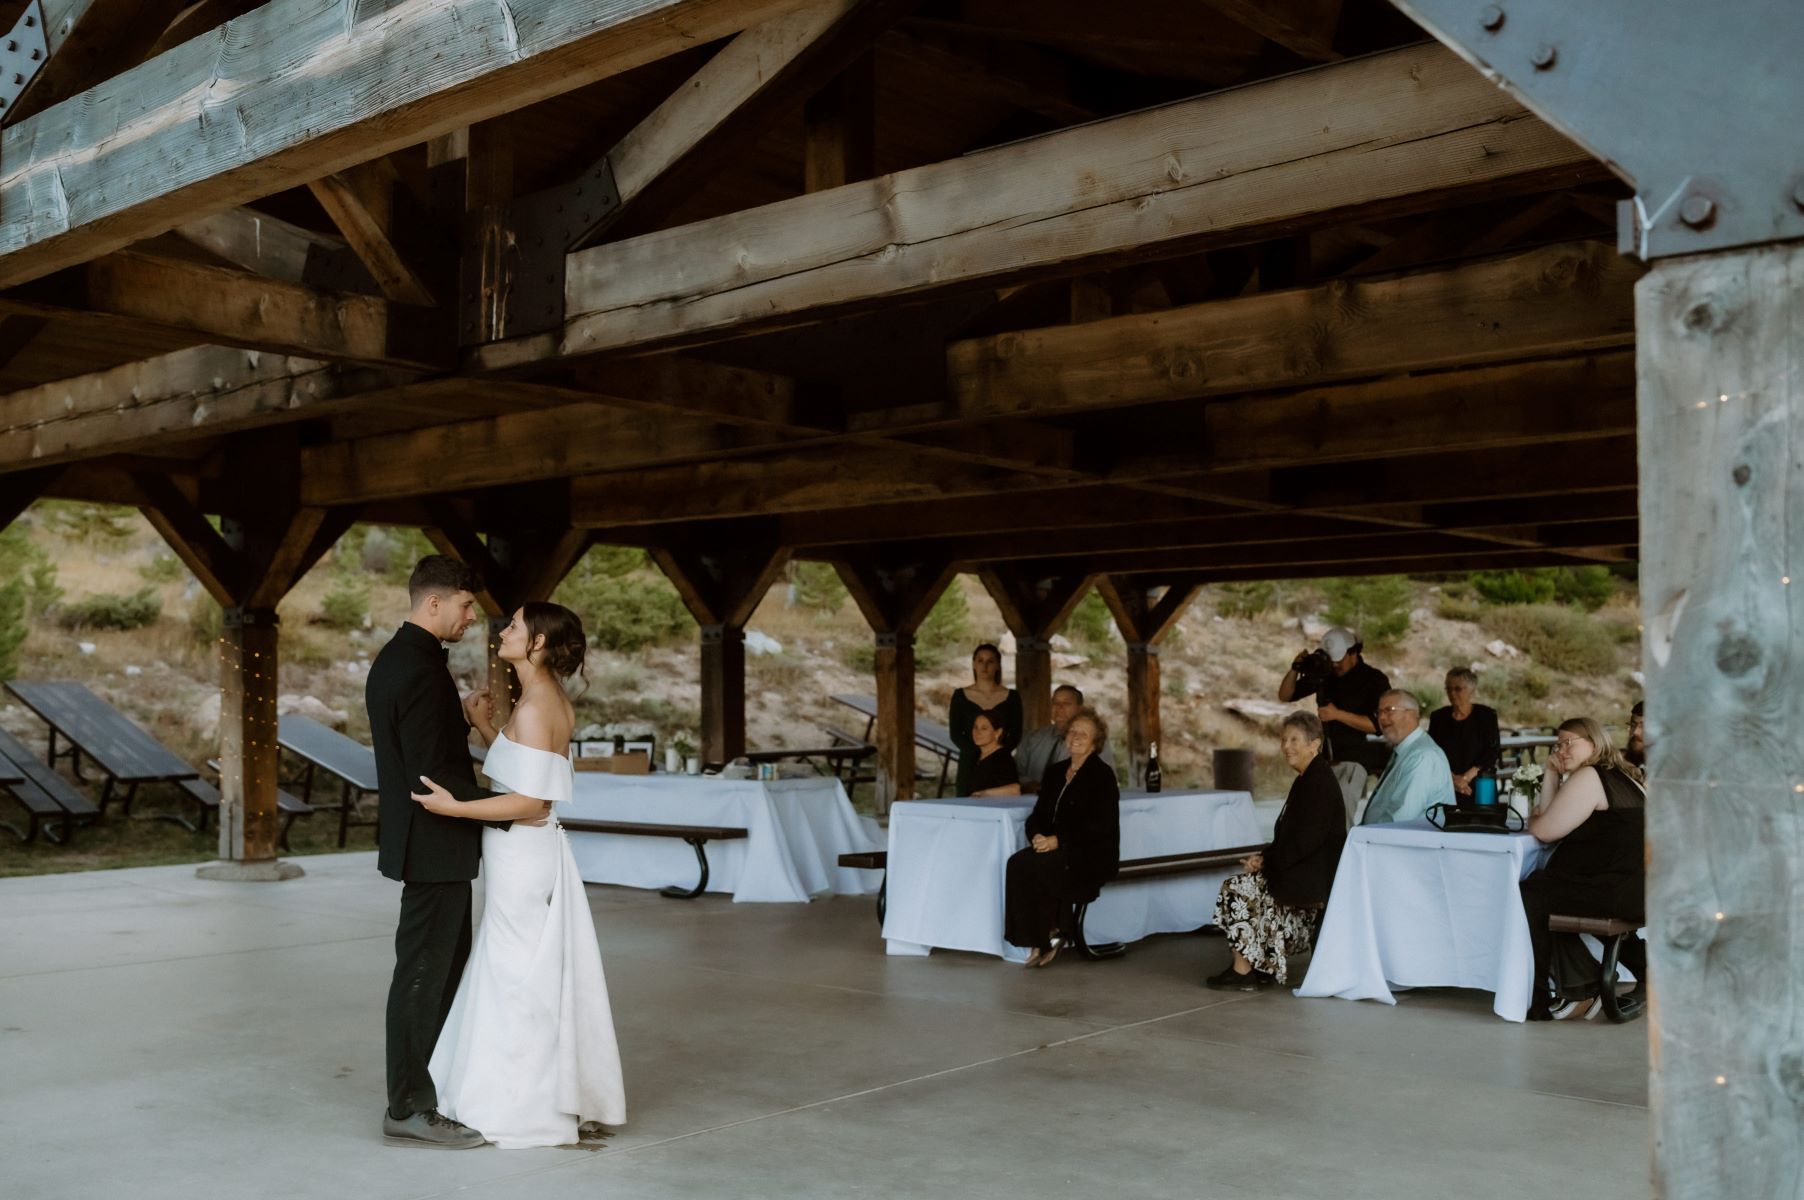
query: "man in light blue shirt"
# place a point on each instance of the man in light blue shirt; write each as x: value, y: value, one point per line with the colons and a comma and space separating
x: 1418, y: 776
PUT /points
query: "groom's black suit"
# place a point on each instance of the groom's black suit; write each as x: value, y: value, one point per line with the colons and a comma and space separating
x: 418, y: 727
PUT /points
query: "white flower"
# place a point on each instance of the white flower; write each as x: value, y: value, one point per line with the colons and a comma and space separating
x: 1530, y: 773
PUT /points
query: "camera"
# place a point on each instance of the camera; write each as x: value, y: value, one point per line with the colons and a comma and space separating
x: 1312, y: 669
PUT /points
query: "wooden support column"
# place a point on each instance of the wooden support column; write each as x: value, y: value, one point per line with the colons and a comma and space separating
x: 895, y: 596
x: 721, y: 586
x: 1720, y: 350
x: 839, y: 129
x: 1144, y: 612
x: 523, y: 564
x: 248, y: 564
x: 1034, y: 606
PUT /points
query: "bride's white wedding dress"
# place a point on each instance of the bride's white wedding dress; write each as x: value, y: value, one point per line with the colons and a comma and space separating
x: 528, y: 1051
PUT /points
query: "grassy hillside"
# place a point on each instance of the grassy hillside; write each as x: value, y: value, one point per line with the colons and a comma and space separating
x: 68, y: 572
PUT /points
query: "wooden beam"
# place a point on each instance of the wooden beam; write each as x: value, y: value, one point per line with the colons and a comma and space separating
x: 361, y: 202
x: 204, y: 391
x: 1493, y: 558
x: 547, y: 444
x: 1424, y: 129
x: 206, y: 554
x: 1035, y: 607
x: 1304, y: 27
x: 21, y: 489
x: 1722, y: 599
x: 268, y: 246
x: 1556, y: 300
x: 839, y: 129
x: 1144, y: 612
x: 216, y: 305
x: 89, y: 41
x: 294, y: 90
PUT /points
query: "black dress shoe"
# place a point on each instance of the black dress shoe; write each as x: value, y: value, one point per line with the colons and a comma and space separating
x: 429, y: 1130
x: 1233, y: 981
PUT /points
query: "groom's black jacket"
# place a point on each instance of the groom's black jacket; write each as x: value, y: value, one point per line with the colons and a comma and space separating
x: 418, y: 727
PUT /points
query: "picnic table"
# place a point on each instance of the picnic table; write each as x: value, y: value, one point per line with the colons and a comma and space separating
x: 934, y: 738
x: 840, y: 761
x: 324, y: 749
x: 95, y: 729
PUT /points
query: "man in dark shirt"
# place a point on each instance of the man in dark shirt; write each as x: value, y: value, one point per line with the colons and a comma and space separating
x: 418, y: 726
x: 1347, y: 702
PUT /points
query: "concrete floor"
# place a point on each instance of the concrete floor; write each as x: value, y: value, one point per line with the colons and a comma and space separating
x: 161, y: 1036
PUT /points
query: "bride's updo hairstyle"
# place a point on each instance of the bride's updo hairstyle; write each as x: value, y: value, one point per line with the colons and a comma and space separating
x: 566, y: 646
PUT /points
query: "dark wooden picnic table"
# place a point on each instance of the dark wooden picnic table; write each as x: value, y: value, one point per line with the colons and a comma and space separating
x: 323, y: 749
x: 95, y: 729
x: 934, y: 738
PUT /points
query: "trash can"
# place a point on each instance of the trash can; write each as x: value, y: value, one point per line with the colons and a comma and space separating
x: 1234, y: 770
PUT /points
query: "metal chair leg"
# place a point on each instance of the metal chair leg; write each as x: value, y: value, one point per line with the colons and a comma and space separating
x: 882, y: 899
x: 701, y: 885
x: 1619, y: 1009
x: 1075, y: 933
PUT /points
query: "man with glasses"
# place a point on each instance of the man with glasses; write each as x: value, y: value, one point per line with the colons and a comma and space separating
x: 1636, y: 750
x: 1418, y: 776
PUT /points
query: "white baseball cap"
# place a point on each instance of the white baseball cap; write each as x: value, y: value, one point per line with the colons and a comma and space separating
x: 1338, y: 641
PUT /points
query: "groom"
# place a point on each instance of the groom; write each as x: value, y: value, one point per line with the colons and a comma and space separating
x: 419, y: 728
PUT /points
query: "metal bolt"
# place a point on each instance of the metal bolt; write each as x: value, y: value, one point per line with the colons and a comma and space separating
x: 1491, y: 17
x: 1544, y: 57
x: 11, y: 45
x: 1699, y: 212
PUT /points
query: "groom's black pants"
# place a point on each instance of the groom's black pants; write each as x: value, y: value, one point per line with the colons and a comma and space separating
x: 432, y: 943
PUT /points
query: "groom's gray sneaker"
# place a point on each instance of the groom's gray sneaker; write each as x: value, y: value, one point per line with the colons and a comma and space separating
x: 430, y: 1130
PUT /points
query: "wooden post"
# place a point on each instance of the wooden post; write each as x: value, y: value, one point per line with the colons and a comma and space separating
x: 895, y: 596
x: 1720, y: 343
x: 249, y: 674
x: 1144, y: 612
x: 721, y: 587
x: 723, y: 692
x: 894, y: 675
x: 1034, y: 606
x: 839, y: 127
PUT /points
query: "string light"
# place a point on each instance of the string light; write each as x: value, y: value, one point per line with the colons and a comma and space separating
x: 1721, y: 1080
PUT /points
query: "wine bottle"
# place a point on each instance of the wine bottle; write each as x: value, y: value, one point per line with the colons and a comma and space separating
x: 1153, y: 776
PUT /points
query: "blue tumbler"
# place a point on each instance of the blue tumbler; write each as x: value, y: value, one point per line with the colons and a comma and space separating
x: 1484, y: 788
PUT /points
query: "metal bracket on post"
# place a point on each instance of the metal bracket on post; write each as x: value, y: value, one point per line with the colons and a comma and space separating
x: 22, y: 55
x: 1693, y: 105
x: 514, y: 257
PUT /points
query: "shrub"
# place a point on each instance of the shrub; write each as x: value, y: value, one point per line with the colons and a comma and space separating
x: 624, y: 605
x: 1587, y: 587
x: 1375, y: 607
x: 1245, y: 599
x: 205, y: 620
x: 1457, y: 608
x: 1516, y: 693
x: 1091, y: 623
x: 943, y: 635
x: 817, y: 587
x: 74, y: 521
x: 1513, y: 587
x: 105, y: 610
x: 1556, y: 637
x: 346, y: 606
x: 162, y: 568
x: 24, y: 562
x: 860, y: 656
x: 13, y: 628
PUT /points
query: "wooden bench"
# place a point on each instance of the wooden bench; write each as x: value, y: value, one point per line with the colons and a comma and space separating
x: 698, y: 837
x: 933, y: 738
x: 1610, y: 931
x: 1158, y: 867
x: 102, y: 733
x: 322, y: 749
x: 872, y: 860
x: 292, y: 808
x: 50, y: 802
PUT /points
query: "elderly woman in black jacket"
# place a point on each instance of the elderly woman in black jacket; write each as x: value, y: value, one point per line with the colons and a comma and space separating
x: 1074, y: 842
x: 1269, y: 911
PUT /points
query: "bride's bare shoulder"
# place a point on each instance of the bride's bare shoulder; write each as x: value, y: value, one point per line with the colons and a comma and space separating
x: 540, y: 725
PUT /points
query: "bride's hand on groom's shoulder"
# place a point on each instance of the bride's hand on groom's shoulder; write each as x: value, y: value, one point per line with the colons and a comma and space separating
x: 436, y: 799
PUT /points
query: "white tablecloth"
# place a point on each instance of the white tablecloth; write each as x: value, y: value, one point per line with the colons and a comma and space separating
x: 948, y: 859
x: 797, y: 829
x: 1413, y: 906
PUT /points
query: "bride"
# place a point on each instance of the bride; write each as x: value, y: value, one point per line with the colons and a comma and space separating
x: 528, y: 1054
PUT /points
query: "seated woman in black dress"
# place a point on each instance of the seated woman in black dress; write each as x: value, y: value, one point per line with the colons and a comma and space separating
x: 1592, y: 804
x: 1270, y: 911
x: 1465, y: 732
x: 994, y: 772
x: 1074, y: 843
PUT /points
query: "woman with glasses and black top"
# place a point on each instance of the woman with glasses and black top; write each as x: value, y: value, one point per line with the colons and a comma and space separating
x: 1592, y: 804
x: 1074, y: 843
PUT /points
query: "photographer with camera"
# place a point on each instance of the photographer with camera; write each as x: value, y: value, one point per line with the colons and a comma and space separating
x: 1346, y: 688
